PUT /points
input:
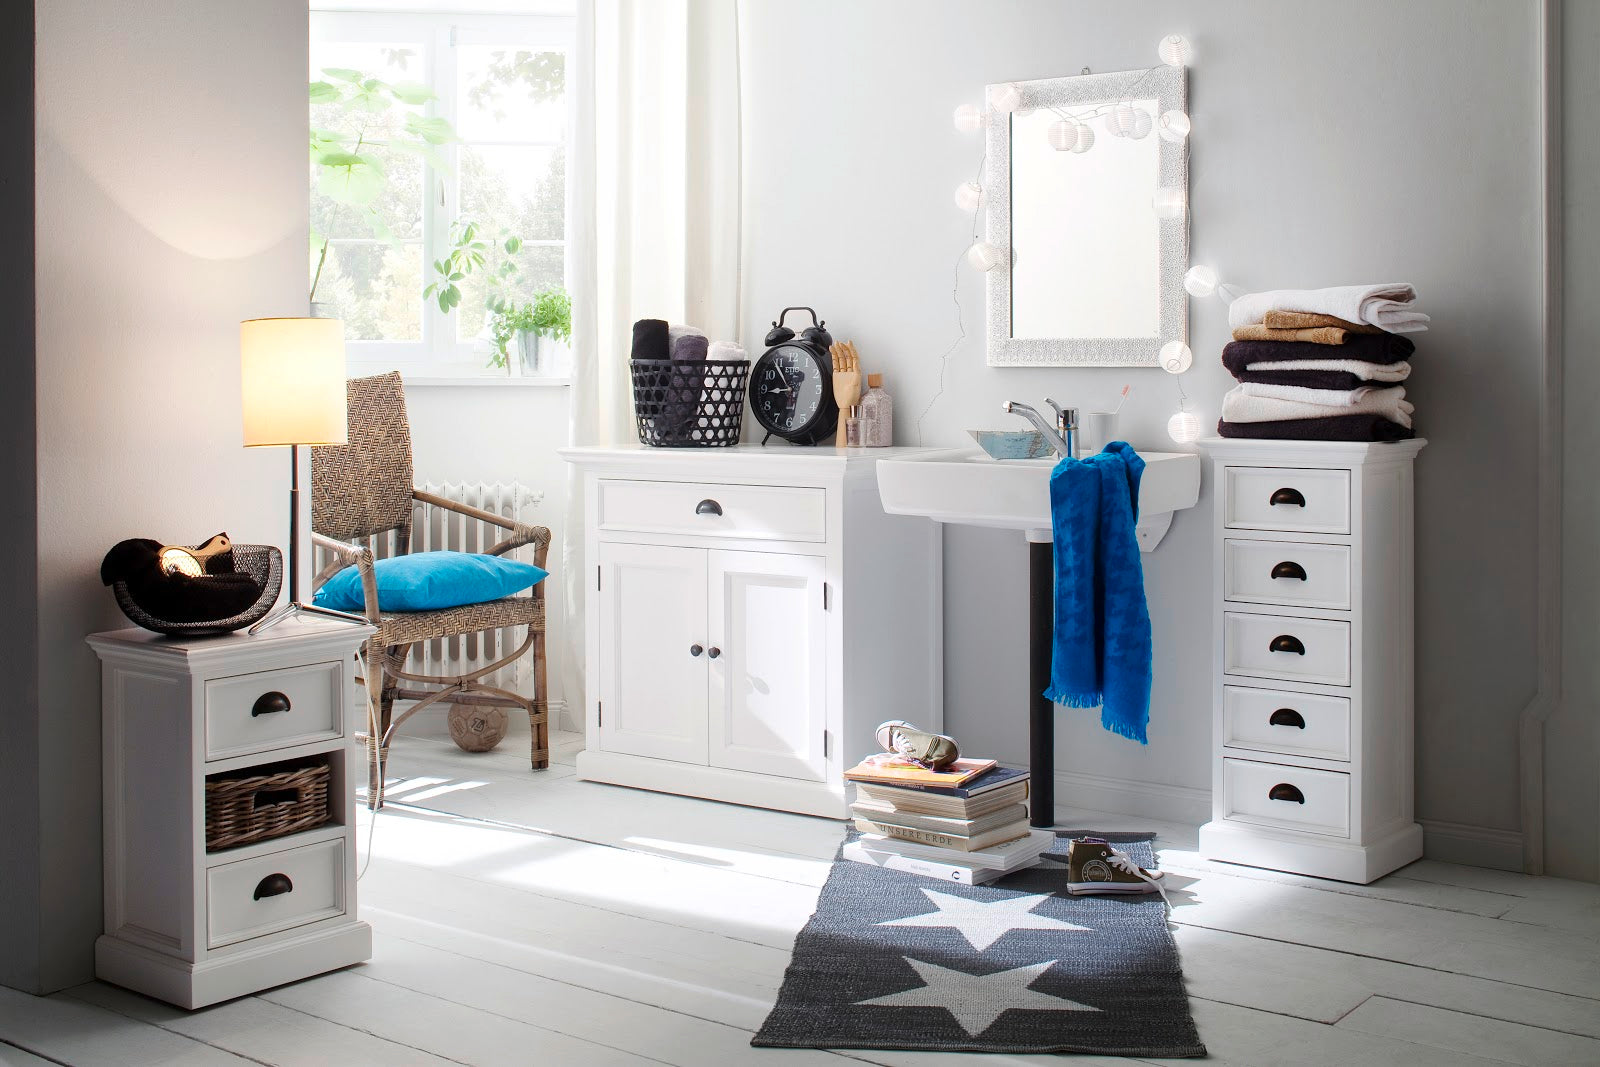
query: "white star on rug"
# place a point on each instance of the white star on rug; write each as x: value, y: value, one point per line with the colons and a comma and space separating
x: 983, y: 923
x: 977, y: 1000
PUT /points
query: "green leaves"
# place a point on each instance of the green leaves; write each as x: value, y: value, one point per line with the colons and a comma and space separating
x: 349, y: 178
x: 513, y: 246
x: 432, y: 130
x: 414, y: 93
x: 323, y: 93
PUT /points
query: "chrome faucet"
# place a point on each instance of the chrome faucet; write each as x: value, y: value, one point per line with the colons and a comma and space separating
x: 1059, y: 435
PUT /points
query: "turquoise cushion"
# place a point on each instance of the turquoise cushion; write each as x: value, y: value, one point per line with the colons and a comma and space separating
x: 428, y: 581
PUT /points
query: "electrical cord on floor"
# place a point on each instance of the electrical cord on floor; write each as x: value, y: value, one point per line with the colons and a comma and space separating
x: 377, y: 753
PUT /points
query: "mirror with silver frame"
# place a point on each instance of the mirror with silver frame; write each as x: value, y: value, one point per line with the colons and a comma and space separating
x: 1087, y: 194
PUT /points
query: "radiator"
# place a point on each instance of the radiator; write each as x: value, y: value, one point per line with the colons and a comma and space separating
x: 436, y: 529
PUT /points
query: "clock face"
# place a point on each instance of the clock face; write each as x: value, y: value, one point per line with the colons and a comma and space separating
x: 787, y: 390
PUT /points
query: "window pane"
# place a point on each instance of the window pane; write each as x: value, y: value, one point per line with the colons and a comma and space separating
x: 539, y: 267
x: 511, y: 94
x: 522, y: 190
x: 364, y: 101
x: 375, y: 288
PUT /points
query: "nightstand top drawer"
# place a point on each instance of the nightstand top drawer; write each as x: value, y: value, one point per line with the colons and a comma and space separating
x: 706, y: 509
x: 260, y: 896
x: 1293, y: 499
x: 273, y: 709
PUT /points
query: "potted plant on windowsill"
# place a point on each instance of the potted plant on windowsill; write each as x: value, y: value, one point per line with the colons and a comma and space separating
x: 536, y: 329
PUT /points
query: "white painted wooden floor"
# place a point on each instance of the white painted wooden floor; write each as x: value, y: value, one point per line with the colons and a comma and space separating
x: 534, y: 919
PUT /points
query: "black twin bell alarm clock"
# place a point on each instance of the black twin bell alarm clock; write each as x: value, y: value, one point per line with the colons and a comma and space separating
x: 791, y: 385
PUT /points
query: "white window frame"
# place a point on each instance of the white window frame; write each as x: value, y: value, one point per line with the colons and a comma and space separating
x: 439, y: 355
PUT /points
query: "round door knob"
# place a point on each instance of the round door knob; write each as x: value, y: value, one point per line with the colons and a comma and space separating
x: 1289, y: 569
x: 1291, y: 497
x: 695, y: 650
x: 273, y: 885
x: 269, y: 704
x: 708, y: 507
x: 1287, y: 793
x: 714, y: 652
x: 1287, y: 717
x: 1287, y: 643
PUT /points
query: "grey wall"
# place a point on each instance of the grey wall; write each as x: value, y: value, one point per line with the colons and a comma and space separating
x: 19, y: 590
x: 171, y: 204
x: 1363, y: 141
x: 1572, y: 736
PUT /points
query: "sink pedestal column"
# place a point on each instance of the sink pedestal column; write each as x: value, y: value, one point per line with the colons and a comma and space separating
x: 1041, y: 712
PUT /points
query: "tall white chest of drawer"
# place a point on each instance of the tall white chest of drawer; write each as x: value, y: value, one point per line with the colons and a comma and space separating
x: 1313, y: 687
x: 195, y: 920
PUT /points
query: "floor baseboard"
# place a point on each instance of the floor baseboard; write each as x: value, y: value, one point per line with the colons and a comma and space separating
x: 1474, y: 846
x: 1149, y: 800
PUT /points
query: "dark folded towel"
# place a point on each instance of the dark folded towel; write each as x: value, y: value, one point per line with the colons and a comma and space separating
x: 1307, y: 379
x: 1370, y: 347
x: 650, y: 339
x: 691, y: 346
x: 1336, y: 428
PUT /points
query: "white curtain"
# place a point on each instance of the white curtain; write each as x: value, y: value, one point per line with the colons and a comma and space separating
x: 654, y: 219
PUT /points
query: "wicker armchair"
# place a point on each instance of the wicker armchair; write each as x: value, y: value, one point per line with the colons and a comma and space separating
x: 364, y: 490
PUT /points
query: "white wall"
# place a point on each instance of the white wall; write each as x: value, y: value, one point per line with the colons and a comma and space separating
x: 1370, y: 140
x: 171, y: 204
x: 500, y: 433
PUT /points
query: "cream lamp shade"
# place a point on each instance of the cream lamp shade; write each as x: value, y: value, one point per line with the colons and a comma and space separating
x: 292, y: 375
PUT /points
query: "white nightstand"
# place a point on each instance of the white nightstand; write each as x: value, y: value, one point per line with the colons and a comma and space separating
x: 191, y: 926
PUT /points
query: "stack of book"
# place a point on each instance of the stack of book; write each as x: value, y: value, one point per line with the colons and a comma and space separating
x: 966, y: 823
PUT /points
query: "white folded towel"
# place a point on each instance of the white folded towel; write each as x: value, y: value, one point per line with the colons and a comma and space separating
x: 1240, y: 406
x: 726, y: 350
x: 1371, y: 372
x: 1388, y: 306
x: 676, y: 330
x: 1338, y: 398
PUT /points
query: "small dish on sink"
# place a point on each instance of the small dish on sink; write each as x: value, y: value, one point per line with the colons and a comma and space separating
x: 1012, y: 444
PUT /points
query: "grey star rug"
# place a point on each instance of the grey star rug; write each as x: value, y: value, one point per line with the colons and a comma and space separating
x: 893, y: 960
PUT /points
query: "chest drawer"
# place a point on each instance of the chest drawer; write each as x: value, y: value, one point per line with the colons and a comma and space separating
x: 256, y: 897
x: 1294, y: 499
x: 757, y: 512
x: 1286, y: 572
x: 1282, y: 646
x: 272, y: 709
x: 1296, y: 724
x: 1290, y: 798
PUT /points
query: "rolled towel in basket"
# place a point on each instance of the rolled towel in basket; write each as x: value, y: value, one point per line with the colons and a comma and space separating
x: 1240, y: 406
x: 678, y: 331
x: 650, y: 340
x: 1389, y: 306
x: 690, y: 346
x: 726, y: 350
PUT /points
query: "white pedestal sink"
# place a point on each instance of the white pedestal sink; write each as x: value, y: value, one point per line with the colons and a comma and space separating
x: 964, y: 485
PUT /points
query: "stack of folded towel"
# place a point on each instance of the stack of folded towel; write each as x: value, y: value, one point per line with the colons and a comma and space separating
x: 1321, y: 364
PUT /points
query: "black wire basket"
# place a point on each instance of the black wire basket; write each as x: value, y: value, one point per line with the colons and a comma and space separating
x: 264, y: 563
x: 689, y: 403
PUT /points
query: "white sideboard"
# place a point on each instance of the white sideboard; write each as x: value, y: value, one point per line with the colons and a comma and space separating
x: 751, y: 615
x: 1313, y: 658
x: 191, y: 926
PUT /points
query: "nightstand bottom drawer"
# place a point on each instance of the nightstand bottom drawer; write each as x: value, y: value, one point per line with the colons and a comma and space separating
x: 1291, y: 798
x: 260, y: 896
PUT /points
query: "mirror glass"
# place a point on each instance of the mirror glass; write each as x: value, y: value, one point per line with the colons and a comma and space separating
x: 1094, y: 274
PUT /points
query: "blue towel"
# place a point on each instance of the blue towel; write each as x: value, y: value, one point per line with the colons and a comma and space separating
x: 1101, y: 653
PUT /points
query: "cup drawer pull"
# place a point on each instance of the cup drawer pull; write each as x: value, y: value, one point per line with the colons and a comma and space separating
x: 269, y: 704
x: 1290, y: 497
x: 1287, y: 643
x: 1289, y: 569
x: 708, y: 507
x: 273, y: 885
x: 1286, y: 792
x: 1287, y: 717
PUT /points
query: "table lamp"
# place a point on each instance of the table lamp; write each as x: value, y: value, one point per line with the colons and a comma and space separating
x: 292, y: 374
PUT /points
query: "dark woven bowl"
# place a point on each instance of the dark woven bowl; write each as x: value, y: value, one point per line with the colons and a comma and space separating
x: 264, y: 563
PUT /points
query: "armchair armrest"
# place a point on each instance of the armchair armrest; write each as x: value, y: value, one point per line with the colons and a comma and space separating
x: 521, y: 533
x: 345, y: 555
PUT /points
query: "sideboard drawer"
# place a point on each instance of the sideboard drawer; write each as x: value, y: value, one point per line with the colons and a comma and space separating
x: 1295, y: 724
x: 1296, y: 499
x: 1291, y: 798
x: 757, y: 512
x: 272, y: 709
x: 1286, y: 572
x: 256, y: 897
x: 1283, y: 646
